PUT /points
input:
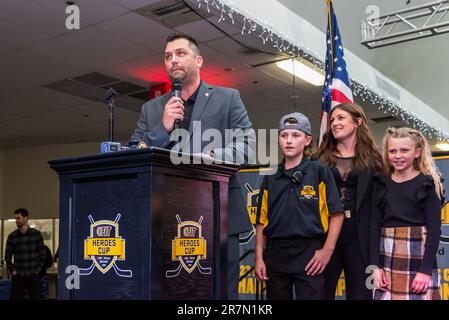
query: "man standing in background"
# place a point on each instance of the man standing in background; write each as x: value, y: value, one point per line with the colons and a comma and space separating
x: 26, y: 245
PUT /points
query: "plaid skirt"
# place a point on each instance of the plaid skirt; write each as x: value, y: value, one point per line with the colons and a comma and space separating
x: 402, y: 250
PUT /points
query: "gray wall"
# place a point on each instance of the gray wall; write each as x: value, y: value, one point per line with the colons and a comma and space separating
x: 27, y: 181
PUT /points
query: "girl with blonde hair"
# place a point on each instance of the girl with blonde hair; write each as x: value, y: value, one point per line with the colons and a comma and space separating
x: 406, y: 219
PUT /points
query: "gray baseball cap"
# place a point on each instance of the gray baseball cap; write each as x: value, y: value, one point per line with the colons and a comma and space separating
x: 302, y: 124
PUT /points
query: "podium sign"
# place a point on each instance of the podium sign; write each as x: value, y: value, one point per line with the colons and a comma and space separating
x: 135, y: 226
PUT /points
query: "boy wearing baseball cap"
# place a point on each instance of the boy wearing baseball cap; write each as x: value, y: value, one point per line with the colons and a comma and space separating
x: 298, y: 208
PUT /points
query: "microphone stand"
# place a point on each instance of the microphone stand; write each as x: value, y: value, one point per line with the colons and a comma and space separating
x: 110, y: 99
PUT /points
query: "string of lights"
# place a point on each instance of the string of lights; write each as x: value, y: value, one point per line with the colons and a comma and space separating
x: 285, y: 45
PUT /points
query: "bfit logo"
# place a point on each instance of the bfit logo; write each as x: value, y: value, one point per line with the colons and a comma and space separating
x: 189, y: 247
x: 104, y: 247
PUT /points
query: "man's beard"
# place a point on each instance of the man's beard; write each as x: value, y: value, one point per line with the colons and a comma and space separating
x: 178, y: 78
x: 181, y: 76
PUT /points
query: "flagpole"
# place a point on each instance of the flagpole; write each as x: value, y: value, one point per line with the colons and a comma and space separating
x: 337, y: 86
x: 331, y: 37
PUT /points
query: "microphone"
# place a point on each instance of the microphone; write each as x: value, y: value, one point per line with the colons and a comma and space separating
x: 297, y: 177
x: 177, y: 89
x: 110, y: 95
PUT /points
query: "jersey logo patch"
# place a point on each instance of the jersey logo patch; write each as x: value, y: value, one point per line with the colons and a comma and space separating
x: 308, y: 192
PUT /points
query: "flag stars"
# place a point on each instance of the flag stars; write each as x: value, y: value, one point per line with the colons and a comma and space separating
x: 336, y: 38
x: 339, y: 69
x: 336, y: 59
x: 340, y: 47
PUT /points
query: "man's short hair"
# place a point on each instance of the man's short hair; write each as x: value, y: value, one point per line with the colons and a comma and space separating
x: 22, y: 211
x: 192, y: 42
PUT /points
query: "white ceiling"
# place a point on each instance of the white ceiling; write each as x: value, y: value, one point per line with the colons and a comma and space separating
x: 37, y: 49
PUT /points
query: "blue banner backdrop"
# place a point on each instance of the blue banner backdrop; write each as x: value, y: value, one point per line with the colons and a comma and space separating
x: 249, y: 288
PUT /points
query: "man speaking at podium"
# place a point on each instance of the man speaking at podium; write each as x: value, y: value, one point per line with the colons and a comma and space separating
x: 216, y: 108
x: 210, y: 106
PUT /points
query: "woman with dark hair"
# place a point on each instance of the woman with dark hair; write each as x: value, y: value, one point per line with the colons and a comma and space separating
x: 349, y: 149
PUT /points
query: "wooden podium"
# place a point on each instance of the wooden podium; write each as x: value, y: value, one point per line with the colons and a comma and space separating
x: 135, y: 226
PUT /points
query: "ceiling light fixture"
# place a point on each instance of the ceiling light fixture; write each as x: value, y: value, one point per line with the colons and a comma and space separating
x: 443, y: 146
x: 302, y: 71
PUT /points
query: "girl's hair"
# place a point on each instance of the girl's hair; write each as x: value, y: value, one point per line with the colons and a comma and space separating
x: 366, y: 151
x: 424, y: 163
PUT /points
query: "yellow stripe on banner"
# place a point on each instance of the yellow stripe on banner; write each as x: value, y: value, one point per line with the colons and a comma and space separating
x: 255, y: 170
x: 104, y: 247
x: 184, y: 247
x: 445, y: 214
x: 324, y: 211
x: 441, y: 157
x: 264, y: 209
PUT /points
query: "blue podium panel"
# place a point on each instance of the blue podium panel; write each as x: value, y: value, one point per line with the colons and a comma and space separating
x: 186, y: 219
x: 110, y: 242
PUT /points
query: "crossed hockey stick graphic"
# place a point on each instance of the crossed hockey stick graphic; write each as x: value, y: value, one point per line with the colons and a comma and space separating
x: 175, y: 272
x: 118, y: 271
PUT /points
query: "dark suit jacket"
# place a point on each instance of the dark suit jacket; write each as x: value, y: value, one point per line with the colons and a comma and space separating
x: 363, y: 210
x: 215, y: 107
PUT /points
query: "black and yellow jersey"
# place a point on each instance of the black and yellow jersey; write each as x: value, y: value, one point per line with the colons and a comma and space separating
x: 289, y: 210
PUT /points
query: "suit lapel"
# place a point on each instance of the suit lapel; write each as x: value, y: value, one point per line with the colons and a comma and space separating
x: 165, y: 99
x: 200, y: 104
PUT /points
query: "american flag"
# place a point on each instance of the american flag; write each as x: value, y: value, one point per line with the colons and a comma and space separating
x: 337, y: 87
